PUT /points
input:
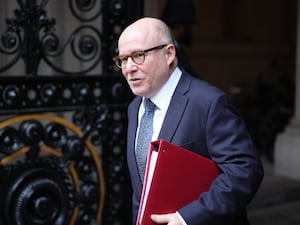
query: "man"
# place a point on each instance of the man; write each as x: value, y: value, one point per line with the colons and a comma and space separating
x: 190, y: 113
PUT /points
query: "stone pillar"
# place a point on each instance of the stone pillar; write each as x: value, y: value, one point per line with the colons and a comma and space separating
x: 287, y: 145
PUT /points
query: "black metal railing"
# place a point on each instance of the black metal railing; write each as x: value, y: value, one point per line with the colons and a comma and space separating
x: 31, y: 35
x: 63, y: 132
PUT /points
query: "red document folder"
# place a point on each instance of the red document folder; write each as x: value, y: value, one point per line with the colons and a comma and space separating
x: 174, y: 177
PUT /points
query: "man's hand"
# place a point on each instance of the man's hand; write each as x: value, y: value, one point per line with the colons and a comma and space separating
x: 170, y: 219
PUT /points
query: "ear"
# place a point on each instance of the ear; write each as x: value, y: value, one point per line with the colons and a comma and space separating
x: 170, y: 53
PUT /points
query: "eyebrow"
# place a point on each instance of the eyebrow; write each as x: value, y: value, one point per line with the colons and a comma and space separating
x: 125, y: 55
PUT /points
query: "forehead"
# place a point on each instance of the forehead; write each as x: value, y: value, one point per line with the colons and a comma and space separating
x: 134, y: 39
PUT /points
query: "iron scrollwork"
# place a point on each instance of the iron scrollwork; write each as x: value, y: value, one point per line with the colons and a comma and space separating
x: 50, y: 169
x: 31, y: 36
x: 50, y: 172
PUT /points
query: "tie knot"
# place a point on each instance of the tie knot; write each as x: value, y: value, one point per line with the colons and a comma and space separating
x: 149, y: 105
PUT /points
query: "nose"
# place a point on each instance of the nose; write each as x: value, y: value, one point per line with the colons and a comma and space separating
x: 130, y: 65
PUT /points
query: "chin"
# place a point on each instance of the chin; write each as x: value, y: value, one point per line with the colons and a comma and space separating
x: 141, y: 92
x: 136, y: 92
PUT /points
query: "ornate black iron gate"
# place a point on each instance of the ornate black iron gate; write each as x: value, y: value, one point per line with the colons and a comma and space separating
x: 63, y: 121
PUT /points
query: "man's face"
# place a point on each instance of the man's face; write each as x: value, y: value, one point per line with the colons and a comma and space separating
x: 147, y: 78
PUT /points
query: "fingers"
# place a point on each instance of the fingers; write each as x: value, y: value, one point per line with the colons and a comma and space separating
x: 160, y: 219
x: 170, y: 219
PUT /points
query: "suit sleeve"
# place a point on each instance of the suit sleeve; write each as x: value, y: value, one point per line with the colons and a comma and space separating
x: 231, y: 147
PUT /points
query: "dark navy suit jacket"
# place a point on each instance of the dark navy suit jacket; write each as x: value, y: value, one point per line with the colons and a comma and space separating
x: 203, y: 119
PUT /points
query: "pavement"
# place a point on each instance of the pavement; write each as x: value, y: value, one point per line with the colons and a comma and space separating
x: 277, y: 202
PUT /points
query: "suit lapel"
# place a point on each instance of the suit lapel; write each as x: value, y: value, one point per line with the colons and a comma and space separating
x: 132, y: 127
x: 176, y: 109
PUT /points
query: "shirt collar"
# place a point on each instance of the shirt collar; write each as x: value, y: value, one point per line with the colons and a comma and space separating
x: 163, y: 97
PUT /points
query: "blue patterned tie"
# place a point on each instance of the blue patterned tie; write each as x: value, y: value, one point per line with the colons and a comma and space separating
x: 144, y: 136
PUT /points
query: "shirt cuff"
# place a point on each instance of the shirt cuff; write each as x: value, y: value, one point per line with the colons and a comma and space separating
x: 182, y: 220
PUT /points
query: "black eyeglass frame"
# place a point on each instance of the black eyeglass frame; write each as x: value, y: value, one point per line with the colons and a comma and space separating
x: 121, y: 60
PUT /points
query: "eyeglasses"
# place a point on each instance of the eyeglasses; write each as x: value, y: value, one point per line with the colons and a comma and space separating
x: 137, y: 57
